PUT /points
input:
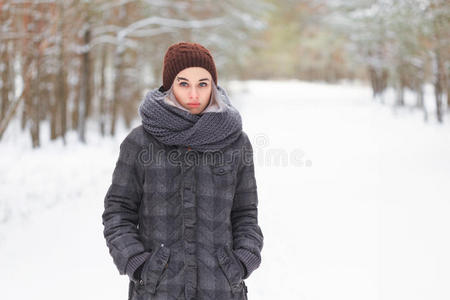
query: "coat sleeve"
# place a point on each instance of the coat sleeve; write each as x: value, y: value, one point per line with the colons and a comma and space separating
x: 121, y: 210
x: 247, y: 235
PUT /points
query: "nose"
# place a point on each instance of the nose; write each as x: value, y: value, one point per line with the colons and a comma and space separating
x: 193, y: 93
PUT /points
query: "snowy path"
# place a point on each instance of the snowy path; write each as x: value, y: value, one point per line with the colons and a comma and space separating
x: 366, y: 218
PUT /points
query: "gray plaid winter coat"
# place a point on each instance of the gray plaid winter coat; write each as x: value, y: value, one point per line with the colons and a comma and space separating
x: 188, y: 218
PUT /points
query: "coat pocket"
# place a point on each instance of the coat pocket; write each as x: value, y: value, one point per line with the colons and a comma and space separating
x: 231, y: 267
x: 223, y: 175
x: 154, y: 268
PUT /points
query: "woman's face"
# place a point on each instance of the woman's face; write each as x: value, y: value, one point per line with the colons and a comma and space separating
x: 192, y: 88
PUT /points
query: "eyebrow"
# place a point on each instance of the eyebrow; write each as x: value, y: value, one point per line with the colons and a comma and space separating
x: 182, y: 78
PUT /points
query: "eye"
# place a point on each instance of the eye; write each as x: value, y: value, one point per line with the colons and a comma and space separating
x: 203, y: 84
x: 184, y: 83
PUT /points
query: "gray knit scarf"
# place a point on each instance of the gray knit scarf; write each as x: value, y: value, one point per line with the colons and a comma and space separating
x: 209, y: 131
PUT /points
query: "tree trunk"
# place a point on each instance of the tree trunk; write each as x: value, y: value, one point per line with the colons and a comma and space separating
x: 54, y: 117
x: 34, y: 106
x: 4, y: 66
x: 87, y: 63
x: 76, y: 99
x: 61, y: 91
x: 438, y: 86
x: 420, y: 97
x: 118, y: 72
x: 378, y: 80
x: 104, y: 53
x: 373, y: 82
x: 448, y: 91
x: 5, y: 79
x: 26, y: 75
x: 8, y: 116
x: 85, y: 89
x: 400, y: 99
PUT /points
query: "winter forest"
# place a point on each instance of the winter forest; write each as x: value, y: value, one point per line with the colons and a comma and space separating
x: 68, y: 62
x: 346, y: 103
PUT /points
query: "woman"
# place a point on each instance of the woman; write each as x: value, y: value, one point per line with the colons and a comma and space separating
x: 180, y: 216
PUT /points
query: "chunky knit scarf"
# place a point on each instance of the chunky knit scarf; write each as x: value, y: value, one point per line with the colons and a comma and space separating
x: 209, y: 131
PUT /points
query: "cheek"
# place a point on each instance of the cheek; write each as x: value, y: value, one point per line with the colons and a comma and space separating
x: 206, y: 96
x: 178, y: 95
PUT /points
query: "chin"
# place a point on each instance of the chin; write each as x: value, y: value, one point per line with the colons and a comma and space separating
x: 196, y: 111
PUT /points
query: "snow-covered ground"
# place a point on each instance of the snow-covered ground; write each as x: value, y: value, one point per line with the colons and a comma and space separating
x: 354, y: 201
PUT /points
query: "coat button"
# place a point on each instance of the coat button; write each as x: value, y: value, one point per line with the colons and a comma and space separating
x: 141, y: 282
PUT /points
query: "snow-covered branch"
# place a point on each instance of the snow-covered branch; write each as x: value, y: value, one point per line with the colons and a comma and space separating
x: 170, y: 23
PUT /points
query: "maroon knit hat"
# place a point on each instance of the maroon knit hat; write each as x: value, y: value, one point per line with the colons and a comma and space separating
x: 184, y: 55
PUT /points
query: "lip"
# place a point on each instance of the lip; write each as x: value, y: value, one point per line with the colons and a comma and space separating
x: 193, y: 103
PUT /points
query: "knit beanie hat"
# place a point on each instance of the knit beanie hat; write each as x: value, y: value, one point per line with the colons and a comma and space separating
x: 184, y: 55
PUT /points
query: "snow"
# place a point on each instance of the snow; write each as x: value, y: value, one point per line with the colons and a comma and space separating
x: 353, y: 201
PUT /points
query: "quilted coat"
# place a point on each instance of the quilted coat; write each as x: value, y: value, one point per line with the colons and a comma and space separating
x: 190, y: 217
